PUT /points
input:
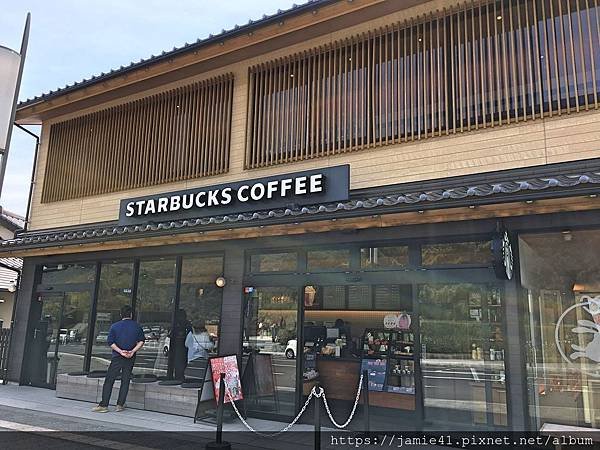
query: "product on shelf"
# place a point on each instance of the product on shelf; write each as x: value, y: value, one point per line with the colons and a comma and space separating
x: 389, y: 358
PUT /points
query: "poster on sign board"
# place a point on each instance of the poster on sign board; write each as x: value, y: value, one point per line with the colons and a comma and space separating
x: 228, y: 366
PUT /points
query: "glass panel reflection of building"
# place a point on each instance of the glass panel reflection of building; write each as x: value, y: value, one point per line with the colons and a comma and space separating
x: 116, y: 283
x: 154, y: 312
x: 560, y: 274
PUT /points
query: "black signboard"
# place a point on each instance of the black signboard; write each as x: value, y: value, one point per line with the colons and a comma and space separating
x: 330, y: 184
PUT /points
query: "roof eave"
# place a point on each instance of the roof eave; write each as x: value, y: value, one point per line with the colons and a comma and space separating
x: 34, y: 111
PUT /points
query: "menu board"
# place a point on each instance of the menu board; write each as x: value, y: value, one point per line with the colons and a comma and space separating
x: 393, y: 297
x: 334, y: 297
x: 233, y: 385
x: 376, y: 369
x: 359, y: 297
x: 387, y: 297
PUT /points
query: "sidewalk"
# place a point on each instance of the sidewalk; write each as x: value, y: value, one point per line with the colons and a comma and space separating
x: 66, y: 411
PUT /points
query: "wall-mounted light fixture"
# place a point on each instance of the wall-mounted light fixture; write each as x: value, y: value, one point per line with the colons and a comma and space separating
x: 220, y: 282
x: 12, y: 287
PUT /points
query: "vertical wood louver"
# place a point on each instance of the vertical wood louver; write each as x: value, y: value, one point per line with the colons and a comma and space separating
x: 484, y: 64
x: 172, y: 136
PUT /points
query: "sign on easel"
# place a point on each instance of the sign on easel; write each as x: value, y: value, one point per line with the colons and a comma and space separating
x: 228, y: 366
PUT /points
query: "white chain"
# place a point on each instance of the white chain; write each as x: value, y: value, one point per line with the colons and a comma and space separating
x: 313, y: 393
x: 283, y: 430
x: 347, y: 422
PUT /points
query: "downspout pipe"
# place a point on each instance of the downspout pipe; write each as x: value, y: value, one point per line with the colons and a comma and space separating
x: 33, y: 170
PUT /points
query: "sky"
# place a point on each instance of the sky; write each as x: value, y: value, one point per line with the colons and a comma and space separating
x: 73, y: 39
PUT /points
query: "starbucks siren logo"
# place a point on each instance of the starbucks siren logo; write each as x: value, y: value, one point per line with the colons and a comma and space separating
x: 591, y: 351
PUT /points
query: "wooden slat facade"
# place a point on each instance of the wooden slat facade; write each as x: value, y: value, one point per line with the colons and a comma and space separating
x: 172, y: 136
x: 484, y: 64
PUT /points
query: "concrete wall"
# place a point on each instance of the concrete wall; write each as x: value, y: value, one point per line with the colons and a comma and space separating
x: 534, y: 142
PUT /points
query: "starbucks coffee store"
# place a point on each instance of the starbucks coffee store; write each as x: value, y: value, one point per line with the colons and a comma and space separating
x: 363, y: 188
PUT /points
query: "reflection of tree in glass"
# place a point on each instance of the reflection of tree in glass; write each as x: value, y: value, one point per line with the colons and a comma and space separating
x: 447, y: 326
x: 328, y: 259
x: 155, y: 295
x: 68, y: 274
x: 384, y: 257
x: 457, y: 253
x: 114, y: 292
x: 274, y: 262
x: 199, y: 296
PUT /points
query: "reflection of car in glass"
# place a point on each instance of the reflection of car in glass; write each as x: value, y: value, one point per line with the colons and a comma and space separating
x: 102, y: 337
x: 152, y: 332
x: 290, y: 350
x: 63, y: 335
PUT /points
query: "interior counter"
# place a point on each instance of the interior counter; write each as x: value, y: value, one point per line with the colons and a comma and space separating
x: 340, y: 376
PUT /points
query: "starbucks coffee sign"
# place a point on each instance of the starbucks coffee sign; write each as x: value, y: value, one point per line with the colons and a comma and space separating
x: 329, y: 184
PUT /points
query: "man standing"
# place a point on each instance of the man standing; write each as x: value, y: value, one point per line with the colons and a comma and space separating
x: 125, y: 338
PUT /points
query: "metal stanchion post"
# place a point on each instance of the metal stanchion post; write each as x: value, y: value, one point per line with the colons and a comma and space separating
x: 317, y: 422
x: 365, y: 387
x: 219, y: 444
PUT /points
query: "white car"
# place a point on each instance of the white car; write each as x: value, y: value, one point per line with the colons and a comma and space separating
x: 291, y: 349
x: 102, y: 337
x: 64, y: 336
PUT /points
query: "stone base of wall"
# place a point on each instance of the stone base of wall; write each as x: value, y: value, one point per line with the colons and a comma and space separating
x: 146, y: 396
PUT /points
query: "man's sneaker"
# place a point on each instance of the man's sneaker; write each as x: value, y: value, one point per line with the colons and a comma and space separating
x: 120, y: 408
x: 100, y: 409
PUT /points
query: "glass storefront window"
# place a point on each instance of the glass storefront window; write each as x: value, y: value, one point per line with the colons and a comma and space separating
x: 457, y: 253
x: 199, y: 300
x: 274, y: 262
x: 560, y: 276
x: 462, y: 354
x: 68, y: 274
x: 114, y: 291
x: 339, y: 343
x: 154, y: 312
x: 383, y: 257
x: 74, y: 331
x: 328, y: 260
x: 270, y: 339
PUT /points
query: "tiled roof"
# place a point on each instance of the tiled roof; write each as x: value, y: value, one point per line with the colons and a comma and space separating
x: 17, y: 220
x: 10, y: 267
x: 15, y: 264
x: 563, y: 184
x: 211, y: 38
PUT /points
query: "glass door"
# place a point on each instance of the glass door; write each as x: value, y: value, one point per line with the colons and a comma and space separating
x: 59, y: 336
x: 46, y: 336
x: 462, y: 355
x: 270, y: 349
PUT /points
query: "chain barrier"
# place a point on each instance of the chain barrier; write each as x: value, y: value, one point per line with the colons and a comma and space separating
x: 317, y: 393
x: 284, y: 429
x: 347, y: 422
